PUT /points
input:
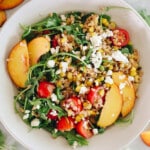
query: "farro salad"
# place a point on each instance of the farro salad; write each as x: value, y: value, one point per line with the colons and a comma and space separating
x: 84, y: 82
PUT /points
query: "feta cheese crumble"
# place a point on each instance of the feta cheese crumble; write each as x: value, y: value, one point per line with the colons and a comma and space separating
x: 35, y: 122
x: 109, y: 80
x: 50, y: 63
x: 83, y: 90
x: 118, y: 56
x: 55, y: 50
x: 26, y: 116
x: 96, y: 59
x: 64, y: 66
x: 54, y: 97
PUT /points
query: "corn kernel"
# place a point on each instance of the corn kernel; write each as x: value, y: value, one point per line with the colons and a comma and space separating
x: 79, y: 76
x: 102, y: 92
x: 89, y: 83
x: 92, y: 33
x: 133, y: 71
x: 115, y: 48
x: 91, y: 112
x: 91, y: 29
x: 87, y: 105
x: 79, y: 117
x: 112, y: 25
x: 63, y: 40
x: 108, y: 85
x: 58, y: 83
x: 105, y: 22
x: 81, y: 25
x: 62, y: 74
x: 69, y: 76
x: 111, y: 67
x: 78, y: 88
x: 101, y: 78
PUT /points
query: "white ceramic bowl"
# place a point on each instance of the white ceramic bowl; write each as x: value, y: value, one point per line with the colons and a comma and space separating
x: 116, y: 136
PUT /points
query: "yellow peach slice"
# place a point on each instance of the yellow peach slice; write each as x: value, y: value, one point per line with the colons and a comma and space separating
x: 8, y: 4
x: 145, y: 136
x: 18, y: 63
x: 112, y: 107
x: 127, y: 90
x: 37, y: 47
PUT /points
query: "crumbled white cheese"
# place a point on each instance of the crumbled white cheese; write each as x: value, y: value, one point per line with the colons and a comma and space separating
x: 55, y: 50
x: 58, y: 71
x: 84, y: 48
x: 36, y: 107
x: 75, y: 144
x: 96, y: 40
x: 83, y: 58
x: 50, y: 63
x: 95, y: 131
x: 106, y: 34
x: 27, y: 111
x: 96, y: 59
x: 109, y: 72
x: 26, y: 116
x: 109, y: 80
x: 118, y: 56
x: 63, y: 17
x: 83, y: 90
x: 131, y: 78
x: 53, y: 113
x: 54, y: 97
x: 122, y: 85
x: 35, y: 122
x: 64, y: 66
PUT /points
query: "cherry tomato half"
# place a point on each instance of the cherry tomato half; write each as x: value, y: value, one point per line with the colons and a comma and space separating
x: 94, y: 95
x: 83, y: 129
x: 73, y: 103
x: 65, y: 124
x: 120, y: 37
x: 45, y: 89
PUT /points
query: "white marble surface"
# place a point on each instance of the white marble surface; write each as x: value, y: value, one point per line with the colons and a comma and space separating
x: 137, y: 144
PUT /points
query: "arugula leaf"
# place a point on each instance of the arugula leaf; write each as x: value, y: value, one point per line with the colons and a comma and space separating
x: 128, y: 119
x: 72, y: 137
x: 145, y: 16
x: 2, y: 139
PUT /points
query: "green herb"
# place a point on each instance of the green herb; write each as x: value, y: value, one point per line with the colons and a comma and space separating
x: 145, y: 16
x: 72, y: 137
x: 126, y: 120
x: 68, y: 54
x: 59, y: 94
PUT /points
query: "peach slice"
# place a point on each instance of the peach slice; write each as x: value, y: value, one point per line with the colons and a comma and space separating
x: 37, y: 47
x: 127, y: 90
x: 2, y: 17
x: 18, y: 63
x: 8, y: 4
x: 112, y: 107
x: 145, y: 136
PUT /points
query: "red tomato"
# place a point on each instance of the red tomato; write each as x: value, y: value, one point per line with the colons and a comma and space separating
x: 120, y: 37
x: 94, y: 95
x: 54, y: 42
x: 45, y: 89
x: 73, y: 103
x: 83, y: 129
x: 52, y: 114
x: 65, y: 124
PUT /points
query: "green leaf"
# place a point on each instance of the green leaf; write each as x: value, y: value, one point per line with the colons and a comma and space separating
x: 2, y: 139
x: 145, y: 16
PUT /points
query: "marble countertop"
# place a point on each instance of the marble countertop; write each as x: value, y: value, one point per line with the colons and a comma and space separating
x: 136, y: 144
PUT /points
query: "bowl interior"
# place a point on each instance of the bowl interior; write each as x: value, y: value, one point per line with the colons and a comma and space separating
x: 116, y: 136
